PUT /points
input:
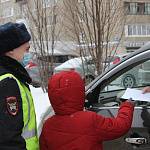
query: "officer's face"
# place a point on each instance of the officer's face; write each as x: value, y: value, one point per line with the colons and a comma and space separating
x: 18, y: 53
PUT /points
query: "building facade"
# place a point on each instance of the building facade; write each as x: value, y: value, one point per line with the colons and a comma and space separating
x: 137, y: 27
x: 136, y: 30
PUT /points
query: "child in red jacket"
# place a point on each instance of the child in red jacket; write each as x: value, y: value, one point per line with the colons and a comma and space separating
x: 72, y: 128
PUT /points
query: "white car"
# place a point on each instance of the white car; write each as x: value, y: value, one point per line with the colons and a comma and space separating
x: 83, y: 65
x: 130, y: 78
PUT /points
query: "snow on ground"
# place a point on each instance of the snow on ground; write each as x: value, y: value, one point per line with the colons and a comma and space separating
x: 42, y: 106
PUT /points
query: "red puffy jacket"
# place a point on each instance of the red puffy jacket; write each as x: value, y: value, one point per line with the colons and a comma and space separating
x: 71, y: 128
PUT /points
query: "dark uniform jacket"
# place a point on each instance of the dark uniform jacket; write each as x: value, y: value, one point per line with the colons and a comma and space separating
x: 11, y: 121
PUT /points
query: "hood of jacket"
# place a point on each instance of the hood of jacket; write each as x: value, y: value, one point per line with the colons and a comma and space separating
x: 66, y: 92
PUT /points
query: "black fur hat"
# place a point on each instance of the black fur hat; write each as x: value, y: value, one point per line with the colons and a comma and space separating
x: 12, y: 35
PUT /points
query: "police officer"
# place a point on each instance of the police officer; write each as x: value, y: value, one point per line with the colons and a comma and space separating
x: 17, y: 115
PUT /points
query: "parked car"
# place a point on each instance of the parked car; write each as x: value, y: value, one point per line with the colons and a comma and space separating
x: 112, y: 60
x: 103, y: 95
x: 130, y: 78
x: 144, y: 72
x: 39, y: 62
x: 83, y: 65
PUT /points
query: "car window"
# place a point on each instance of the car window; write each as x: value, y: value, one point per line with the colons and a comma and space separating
x: 137, y: 77
x: 128, y: 79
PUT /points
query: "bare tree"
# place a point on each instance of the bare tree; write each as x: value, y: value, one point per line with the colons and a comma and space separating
x: 42, y: 20
x: 95, y: 24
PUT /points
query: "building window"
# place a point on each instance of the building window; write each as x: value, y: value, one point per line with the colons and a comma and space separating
x: 7, y: 12
x: 147, y: 9
x: 137, y: 30
x: 134, y: 8
x: 48, y: 3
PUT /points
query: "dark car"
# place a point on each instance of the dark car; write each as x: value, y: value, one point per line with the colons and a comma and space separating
x: 103, y: 95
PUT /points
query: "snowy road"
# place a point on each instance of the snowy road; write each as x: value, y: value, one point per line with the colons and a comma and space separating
x: 42, y: 105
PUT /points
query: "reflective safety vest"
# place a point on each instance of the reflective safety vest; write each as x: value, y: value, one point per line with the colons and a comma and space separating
x: 29, y: 132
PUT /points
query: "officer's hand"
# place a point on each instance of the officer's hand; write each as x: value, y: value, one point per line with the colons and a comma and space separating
x: 146, y: 89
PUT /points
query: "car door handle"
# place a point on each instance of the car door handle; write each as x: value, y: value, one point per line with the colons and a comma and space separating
x: 138, y: 141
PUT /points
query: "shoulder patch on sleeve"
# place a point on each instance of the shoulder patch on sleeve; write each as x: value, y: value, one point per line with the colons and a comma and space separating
x: 12, y: 105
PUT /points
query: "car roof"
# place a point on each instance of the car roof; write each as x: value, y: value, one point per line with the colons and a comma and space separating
x: 74, y: 62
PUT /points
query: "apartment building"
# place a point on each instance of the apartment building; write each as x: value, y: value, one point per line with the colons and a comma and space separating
x: 43, y: 19
x: 7, y: 10
x: 136, y: 29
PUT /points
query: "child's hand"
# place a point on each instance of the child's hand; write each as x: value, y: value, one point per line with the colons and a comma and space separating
x: 131, y: 101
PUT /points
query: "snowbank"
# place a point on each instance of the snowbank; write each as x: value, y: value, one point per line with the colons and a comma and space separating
x: 42, y: 105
